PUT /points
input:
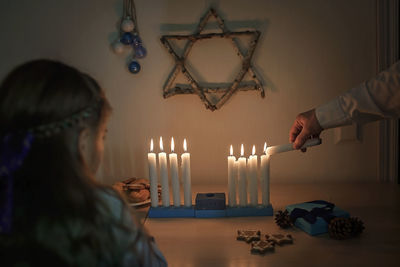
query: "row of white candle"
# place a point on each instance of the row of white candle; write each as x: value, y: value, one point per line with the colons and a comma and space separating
x: 174, y: 171
x: 244, y: 172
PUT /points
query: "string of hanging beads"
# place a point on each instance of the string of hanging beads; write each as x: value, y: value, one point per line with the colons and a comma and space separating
x: 129, y: 37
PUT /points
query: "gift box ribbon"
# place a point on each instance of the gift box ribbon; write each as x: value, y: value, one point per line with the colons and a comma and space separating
x: 325, y: 212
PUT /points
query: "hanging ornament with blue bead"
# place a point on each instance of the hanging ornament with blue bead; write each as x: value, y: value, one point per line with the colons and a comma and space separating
x: 129, y: 37
x: 140, y: 51
x: 134, y: 67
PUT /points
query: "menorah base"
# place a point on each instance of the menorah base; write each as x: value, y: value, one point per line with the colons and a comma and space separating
x: 259, y: 210
x: 192, y: 212
x: 171, y: 212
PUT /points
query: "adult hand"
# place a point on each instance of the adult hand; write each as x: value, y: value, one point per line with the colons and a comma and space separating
x: 306, y: 125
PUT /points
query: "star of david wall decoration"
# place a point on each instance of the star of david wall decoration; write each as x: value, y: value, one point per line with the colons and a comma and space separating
x: 193, y: 86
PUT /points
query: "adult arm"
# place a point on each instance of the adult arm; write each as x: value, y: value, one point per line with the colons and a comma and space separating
x: 372, y: 100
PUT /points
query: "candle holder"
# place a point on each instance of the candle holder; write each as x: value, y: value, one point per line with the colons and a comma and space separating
x: 213, y: 205
x: 210, y: 205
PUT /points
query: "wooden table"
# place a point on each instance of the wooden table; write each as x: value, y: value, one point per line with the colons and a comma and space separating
x: 212, y: 242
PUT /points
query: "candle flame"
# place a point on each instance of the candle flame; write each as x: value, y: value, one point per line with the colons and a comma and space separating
x: 265, y: 147
x: 241, y: 151
x: 184, y: 145
x: 231, y: 151
x: 172, y: 144
x: 161, y: 144
x: 254, y: 150
x: 151, y: 145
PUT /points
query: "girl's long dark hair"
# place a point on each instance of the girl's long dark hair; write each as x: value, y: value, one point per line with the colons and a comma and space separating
x: 53, y: 184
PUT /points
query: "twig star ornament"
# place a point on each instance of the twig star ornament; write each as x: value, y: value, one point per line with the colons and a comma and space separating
x: 170, y: 89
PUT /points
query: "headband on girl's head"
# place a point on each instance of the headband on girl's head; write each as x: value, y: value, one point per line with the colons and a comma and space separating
x: 50, y: 129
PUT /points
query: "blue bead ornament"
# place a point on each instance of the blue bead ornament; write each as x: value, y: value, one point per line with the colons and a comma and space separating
x: 134, y: 67
x: 127, y: 38
x: 136, y: 40
x: 140, y: 51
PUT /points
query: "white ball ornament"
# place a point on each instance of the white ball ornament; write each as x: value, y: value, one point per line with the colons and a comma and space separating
x: 127, y: 25
x: 118, y: 47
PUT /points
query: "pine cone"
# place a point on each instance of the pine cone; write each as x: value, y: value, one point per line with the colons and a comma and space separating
x: 282, y: 219
x: 357, y: 226
x: 343, y: 228
x: 340, y: 228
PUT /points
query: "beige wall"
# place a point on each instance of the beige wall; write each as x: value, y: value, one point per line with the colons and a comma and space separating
x: 309, y: 52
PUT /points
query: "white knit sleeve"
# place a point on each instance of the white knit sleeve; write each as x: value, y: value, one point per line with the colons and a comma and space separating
x: 372, y: 100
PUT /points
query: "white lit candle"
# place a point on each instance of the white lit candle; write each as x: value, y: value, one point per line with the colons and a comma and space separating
x: 151, y: 157
x: 289, y: 147
x: 173, y: 165
x: 231, y: 179
x: 162, y: 161
x: 187, y: 190
x: 264, y: 176
x: 236, y: 168
x: 242, y: 186
x: 252, y: 179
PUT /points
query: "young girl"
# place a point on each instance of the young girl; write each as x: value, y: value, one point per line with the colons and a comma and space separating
x: 52, y: 127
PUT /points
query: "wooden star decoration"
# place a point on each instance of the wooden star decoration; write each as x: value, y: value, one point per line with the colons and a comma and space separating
x: 194, y: 86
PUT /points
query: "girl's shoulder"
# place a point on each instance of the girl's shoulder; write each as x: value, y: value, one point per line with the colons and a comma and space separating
x: 111, y: 202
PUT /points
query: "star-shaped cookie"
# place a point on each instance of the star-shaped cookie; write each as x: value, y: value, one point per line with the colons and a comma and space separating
x: 279, y: 239
x: 262, y: 246
x: 248, y: 235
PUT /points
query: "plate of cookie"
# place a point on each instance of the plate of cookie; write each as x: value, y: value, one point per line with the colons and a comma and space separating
x: 136, y: 191
x: 138, y: 204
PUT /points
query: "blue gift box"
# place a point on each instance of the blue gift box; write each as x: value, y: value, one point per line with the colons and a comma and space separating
x: 320, y: 226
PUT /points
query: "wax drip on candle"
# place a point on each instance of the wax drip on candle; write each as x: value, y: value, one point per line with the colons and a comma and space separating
x: 241, y: 151
x: 151, y: 145
x: 184, y: 145
x: 161, y: 144
x: 253, y: 150
x: 172, y: 145
x: 231, y: 151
